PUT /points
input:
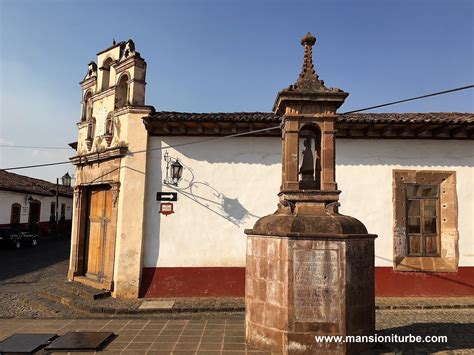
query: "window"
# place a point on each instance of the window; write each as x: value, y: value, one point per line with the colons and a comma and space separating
x: 87, y: 107
x: 15, y: 213
x: 63, y: 211
x: 422, y: 219
x: 91, y: 129
x: 52, y: 212
x: 425, y: 234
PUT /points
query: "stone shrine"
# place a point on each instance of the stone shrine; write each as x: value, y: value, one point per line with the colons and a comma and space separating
x: 309, y: 269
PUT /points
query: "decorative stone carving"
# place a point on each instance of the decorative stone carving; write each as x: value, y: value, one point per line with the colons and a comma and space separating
x: 128, y: 50
x: 109, y: 128
x: 91, y: 70
x: 115, y: 193
x: 77, y: 195
x: 89, y: 143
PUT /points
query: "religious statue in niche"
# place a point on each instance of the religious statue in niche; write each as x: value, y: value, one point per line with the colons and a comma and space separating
x: 310, y: 168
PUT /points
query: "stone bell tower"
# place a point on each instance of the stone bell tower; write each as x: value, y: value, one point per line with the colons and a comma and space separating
x: 310, y: 270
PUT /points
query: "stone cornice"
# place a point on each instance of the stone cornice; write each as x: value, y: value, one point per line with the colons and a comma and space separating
x: 107, y: 154
x: 146, y: 110
x: 81, y: 124
x: 88, y: 83
x: 105, y: 93
x: 129, y: 63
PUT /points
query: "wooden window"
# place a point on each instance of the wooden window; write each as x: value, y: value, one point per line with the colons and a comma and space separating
x: 15, y: 213
x: 422, y: 219
x: 425, y: 223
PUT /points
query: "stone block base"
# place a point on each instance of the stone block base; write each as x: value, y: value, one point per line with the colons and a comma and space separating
x: 298, y: 288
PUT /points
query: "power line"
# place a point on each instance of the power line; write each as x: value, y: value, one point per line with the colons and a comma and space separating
x: 244, y: 133
x: 412, y: 99
x: 36, y: 166
x: 158, y: 148
x: 31, y: 147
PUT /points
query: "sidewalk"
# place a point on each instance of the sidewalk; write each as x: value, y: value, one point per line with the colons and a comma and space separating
x: 74, y: 299
x: 224, y: 335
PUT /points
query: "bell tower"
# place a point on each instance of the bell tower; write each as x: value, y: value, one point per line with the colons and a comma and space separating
x: 309, y: 270
x: 117, y: 81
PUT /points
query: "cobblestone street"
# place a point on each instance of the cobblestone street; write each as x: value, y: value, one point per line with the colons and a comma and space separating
x: 25, y: 271
x: 226, y: 336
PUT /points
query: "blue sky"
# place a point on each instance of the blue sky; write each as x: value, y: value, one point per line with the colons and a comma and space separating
x: 224, y: 56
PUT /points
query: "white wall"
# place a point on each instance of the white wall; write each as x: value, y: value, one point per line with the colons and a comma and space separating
x: 7, y: 198
x: 228, y: 184
x: 364, y: 174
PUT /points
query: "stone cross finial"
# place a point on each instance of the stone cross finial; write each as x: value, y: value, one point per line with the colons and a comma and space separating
x: 308, y: 79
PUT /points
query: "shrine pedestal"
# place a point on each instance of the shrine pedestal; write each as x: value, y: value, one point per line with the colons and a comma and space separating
x: 298, y: 287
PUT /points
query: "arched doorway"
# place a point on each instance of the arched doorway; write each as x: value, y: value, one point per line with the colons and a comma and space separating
x: 34, y: 216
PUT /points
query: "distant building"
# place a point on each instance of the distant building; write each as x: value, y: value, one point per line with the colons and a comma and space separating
x: 407, y: 176
x: 30, y: 204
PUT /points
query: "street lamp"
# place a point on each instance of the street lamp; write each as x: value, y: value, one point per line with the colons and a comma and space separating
x: 174, y: 170
x: 66, y: 179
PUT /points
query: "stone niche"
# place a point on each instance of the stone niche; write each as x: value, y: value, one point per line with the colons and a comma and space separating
x: 297, y: 288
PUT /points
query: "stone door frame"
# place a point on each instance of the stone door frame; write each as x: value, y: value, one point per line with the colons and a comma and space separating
x: 78, y: 249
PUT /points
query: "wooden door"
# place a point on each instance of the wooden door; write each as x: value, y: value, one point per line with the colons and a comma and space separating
x: 98, y: 234
x: 34, y: 216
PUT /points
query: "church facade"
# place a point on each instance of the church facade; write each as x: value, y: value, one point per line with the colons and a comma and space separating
x: 407, y: 176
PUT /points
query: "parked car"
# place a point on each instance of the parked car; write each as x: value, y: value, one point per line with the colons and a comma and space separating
x: 13, y: 238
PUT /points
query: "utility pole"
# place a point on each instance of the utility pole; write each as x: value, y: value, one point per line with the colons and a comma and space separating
x: 57, y: 204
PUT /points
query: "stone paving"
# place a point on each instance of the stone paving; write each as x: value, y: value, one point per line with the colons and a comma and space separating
x: 25, y: 271
x: 226, y: 335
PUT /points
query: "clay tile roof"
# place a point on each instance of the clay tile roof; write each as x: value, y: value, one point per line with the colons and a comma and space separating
x: 171, y: 116
x: 419, y: 117
x: 254, y: 117
x: 21, y: 183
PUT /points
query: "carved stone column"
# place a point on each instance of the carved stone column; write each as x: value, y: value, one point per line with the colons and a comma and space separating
x: 77, y: 233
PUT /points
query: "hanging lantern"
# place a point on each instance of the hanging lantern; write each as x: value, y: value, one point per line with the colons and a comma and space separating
x: 176, y: 171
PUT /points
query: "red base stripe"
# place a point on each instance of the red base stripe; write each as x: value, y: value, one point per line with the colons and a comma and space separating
x: 193, y: 282
x: 389, y: 283
x: 230, y: 282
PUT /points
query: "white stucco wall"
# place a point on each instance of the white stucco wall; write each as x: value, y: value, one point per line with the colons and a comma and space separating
x: 7, y: 198
x: 228, y: 184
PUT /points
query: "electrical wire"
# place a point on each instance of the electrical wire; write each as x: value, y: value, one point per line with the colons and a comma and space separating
x: 412, y: 99
x: 233, y: 135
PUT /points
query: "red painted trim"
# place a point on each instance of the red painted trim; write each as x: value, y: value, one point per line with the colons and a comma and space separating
x: 390, y: 283
x: 230, y: 282
x: 193, y: 281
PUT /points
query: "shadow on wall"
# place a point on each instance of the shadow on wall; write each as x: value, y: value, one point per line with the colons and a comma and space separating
x: 407, y: 153
x: 245, y: 150
x: 228, y: 208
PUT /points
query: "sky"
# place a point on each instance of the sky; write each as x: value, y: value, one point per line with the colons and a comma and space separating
x: 223, y: 56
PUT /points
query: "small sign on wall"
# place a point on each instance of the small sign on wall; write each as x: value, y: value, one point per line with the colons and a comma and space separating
x: 166, y: 208
x: 24, y: 210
